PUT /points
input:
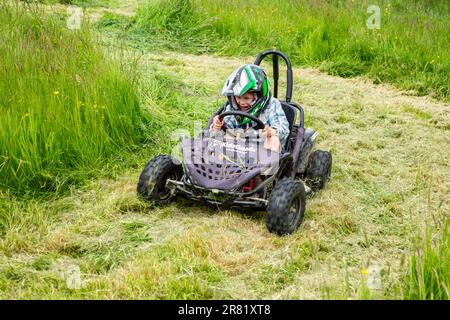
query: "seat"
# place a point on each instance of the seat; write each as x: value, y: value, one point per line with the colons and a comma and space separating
x: 291, y: 115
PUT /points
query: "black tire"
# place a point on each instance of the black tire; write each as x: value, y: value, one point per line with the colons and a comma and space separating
x: 152, y: 181
x: 286, y: 208
x: 318, y: 171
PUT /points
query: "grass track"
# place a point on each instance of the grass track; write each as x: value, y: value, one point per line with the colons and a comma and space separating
x: 384, y: 189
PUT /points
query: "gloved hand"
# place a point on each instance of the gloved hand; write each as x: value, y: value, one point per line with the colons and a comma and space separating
x: 217, y: 124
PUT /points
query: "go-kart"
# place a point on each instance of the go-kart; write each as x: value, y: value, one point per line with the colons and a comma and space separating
x: 222, y: 167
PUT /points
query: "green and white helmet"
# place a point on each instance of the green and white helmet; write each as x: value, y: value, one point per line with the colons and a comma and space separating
x: 248, y: 78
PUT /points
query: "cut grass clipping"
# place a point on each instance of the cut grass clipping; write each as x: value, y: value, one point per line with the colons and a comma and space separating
x: 409, y: 49
x: 64, y: 105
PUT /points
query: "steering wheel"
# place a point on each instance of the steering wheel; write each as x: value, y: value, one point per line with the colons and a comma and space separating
x: 259, y: 123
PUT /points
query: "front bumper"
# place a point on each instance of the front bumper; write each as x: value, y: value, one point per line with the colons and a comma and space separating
x: 220, y: 197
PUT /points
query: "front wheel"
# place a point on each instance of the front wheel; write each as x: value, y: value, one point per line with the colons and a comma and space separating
x: 152, y: 181
x: 286, y: 208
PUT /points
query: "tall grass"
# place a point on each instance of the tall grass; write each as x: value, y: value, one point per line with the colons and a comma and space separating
x: 428, y: 276
x: 410, y: 50
x: 64, y: 105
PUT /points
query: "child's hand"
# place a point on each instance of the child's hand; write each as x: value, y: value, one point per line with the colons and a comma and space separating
x: 272, y: 141
x: 269, y: 132
x: 217, y: 124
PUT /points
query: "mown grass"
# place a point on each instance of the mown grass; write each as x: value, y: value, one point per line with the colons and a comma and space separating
x: 66, y: 106
x: 409, y: 50
x: 80, y: 3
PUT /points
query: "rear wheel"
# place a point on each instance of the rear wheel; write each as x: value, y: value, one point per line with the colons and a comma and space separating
x: 286, y: 208
x: 152, y: 181
x: 318, y: 171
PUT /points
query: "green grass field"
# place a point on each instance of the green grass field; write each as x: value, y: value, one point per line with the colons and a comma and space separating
x: 83, y: 111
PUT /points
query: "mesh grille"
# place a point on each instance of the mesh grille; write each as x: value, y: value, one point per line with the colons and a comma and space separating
x: 208, y: 170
